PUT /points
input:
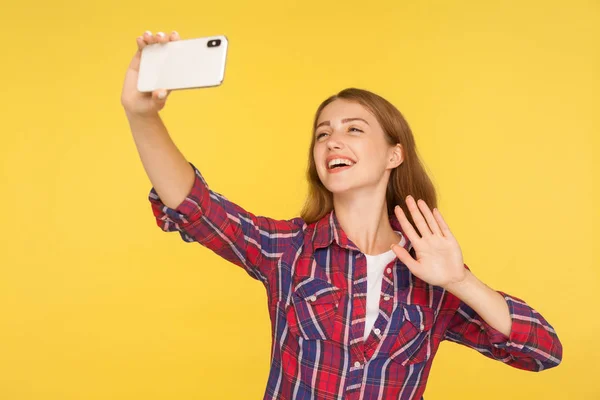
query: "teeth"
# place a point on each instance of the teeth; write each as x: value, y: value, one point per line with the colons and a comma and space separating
x: 336, y: 161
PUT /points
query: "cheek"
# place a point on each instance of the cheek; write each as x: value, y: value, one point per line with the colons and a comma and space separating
x: 375, y: 159
x: 317, y: 155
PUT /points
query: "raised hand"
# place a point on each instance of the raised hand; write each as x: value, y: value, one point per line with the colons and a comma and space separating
x: 134, y: 101
x: 439, y: 258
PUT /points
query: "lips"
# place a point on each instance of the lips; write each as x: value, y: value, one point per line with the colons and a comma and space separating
x: 333, y: 157
x: 339, y: 169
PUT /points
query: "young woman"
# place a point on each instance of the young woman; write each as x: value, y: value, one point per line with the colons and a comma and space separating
x: 367, y: 282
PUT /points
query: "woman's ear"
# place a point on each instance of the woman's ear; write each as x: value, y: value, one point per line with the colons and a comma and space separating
x: 397, y: 156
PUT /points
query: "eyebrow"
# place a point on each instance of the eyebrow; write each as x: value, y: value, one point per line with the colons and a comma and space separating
x: 345, y: 120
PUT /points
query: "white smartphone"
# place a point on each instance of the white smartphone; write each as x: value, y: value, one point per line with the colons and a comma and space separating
x: 183, y: 64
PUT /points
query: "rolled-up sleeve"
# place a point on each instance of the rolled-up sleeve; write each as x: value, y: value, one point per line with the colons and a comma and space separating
x: 532, y: 345
x: 252, y: 242
x: 190, y: 211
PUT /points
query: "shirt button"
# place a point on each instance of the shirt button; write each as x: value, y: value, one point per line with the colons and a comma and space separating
x: 313, y: 298
x: 377, y: 331
x: 389, y: 270
x: 386, y: 298
x: 357, y: 364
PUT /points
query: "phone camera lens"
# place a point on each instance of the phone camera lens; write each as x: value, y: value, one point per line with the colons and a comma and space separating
x: 214, y: 43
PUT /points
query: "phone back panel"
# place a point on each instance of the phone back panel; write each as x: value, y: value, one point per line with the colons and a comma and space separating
x: 182, y: 64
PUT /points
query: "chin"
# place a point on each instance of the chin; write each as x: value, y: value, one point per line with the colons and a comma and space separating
x: 341, y: 184
x: 338, y: 187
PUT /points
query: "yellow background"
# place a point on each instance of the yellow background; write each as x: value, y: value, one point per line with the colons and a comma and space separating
x: 96, y: 302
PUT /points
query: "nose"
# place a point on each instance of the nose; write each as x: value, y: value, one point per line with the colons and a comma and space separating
x: 333, y: 142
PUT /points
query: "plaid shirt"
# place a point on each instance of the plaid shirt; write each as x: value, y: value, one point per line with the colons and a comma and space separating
x: 316, y: 281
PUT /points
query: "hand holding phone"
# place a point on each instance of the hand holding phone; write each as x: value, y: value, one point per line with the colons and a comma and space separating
x: 209, y: 73
x: 133, y: 101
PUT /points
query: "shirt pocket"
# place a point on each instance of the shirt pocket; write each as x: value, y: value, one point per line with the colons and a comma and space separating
x: 411, y: 345
x: 313, y: 308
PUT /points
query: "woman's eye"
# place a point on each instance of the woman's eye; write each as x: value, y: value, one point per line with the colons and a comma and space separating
x: 353, y: 129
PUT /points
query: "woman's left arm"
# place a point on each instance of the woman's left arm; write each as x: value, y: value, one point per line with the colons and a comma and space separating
x: 497, y: 325
x: 501, y: 326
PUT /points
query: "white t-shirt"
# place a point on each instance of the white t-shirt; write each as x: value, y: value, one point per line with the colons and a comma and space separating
x: 375, y: 269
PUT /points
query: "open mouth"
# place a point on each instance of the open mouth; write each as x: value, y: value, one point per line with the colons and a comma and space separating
x: 339, y: 168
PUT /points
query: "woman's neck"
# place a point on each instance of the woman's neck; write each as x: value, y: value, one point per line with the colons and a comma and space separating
x: 367, y: 224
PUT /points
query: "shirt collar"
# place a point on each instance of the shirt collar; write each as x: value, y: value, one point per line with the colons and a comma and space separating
x: 328, y: 229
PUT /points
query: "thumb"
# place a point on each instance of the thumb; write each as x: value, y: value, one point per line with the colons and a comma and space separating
x: 404, y: 256
x: 160, y: 98
x: 160, y: 95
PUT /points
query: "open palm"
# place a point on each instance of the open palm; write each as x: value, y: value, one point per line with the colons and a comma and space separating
x: 439, y: 258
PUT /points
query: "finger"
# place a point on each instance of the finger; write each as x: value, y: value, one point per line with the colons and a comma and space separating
x: 149, y: 38
x: 413, y: 236
x: 433, y: 225
x: 174, y: 36
x: 161, y: 37
x: 417, y: 216
x: 405, y: 257
x: 140, y: 42
x: 442, y: 223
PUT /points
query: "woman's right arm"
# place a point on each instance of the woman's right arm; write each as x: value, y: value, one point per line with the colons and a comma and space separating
x: 182, y: 201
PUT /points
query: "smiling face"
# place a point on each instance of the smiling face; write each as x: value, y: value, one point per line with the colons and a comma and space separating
x: 347, y: 130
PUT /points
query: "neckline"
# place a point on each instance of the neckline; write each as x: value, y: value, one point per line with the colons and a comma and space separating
x: 390, y: 251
